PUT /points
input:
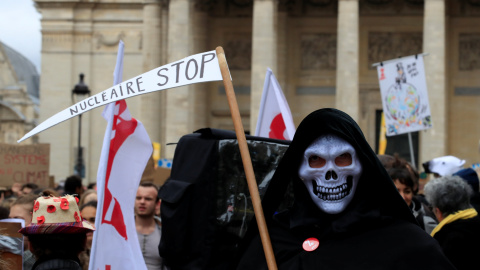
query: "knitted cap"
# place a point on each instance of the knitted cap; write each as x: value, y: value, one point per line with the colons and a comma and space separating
x: 56, y: 215
x: 470, y: 176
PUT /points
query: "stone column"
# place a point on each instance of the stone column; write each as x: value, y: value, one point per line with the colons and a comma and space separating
x: 282, y: 51
x: 264, y: 52
x: 58, y: 80
x: 152, y: 109
x: 178, y: 105
x: 347, y: 90
x: 198, y: 43
x: 433, y: 142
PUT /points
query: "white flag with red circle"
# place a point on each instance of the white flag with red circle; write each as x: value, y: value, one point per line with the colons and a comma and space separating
x: 274, y: 118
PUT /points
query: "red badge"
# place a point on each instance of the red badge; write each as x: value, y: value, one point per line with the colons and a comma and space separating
x: 64, y: 204
x: 310, y: 244
x: 51, y: 208
x: 76, y: 199
x: 35, y: 207
x: 40, y: 220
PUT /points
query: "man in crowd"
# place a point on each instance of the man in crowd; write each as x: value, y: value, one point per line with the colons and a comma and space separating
x: 88, y: 211
x: 28, y: 188
x: 148, y: 228
x: 22, y: 208
x: 470, y: 176
x: 73, y: 185
x: 459, y: 229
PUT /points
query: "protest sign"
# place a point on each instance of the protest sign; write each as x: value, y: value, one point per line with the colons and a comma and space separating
x: 11, y: 243
x: 24, y: 164
x: 202, y: 67
x: 404, y: 95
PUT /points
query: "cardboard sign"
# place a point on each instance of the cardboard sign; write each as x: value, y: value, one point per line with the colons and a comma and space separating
x: 24, y: 164
x: 202, y: 67
x: 11, y: 244
x: 156, y: 175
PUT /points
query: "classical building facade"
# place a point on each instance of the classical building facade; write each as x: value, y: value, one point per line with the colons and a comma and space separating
x: 321, y: 51
x: 19, y: 96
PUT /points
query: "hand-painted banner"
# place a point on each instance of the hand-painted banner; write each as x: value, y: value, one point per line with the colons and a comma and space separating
x: 202, y: 67
x: 404, y: 95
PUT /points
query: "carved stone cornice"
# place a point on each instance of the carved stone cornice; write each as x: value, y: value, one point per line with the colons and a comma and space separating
x: 469, y: 51
x: 108, y: 40
x: 474, y: 2
x: 239, y: 49
x: 379, y: 2
x: 318, y: 51
x: 384, y: 46
x: 391, y: 7
x: 464, y: 8
x: 242, y: 3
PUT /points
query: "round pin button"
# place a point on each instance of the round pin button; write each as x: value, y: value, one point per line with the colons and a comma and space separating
x: 310, y: 244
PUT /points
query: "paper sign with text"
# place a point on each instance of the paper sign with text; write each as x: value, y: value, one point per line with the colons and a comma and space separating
x: 202, y: 67
x: 24, y: 164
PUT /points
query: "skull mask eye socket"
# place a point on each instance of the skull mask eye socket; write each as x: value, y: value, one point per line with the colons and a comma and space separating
x: 315, y: 161
x: 343, y: 160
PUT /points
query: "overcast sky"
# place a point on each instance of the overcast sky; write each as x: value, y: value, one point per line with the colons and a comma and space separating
x: 20, y: 28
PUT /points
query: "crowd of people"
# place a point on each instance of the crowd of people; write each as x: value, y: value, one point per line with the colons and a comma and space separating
x: 72, y: 243
x: 353, y: 209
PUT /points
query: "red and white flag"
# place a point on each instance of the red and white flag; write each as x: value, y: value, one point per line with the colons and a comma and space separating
x: 125, y: 153
x: 274, y: 118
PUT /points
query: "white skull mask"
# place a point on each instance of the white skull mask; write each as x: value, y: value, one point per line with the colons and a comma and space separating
x: 330, y: 170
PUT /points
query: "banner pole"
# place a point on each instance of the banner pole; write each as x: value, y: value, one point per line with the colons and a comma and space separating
x: 412, y: 157
x: 247, y: 162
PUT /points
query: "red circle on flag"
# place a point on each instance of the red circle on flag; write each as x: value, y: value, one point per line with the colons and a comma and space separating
x: 310, y: 244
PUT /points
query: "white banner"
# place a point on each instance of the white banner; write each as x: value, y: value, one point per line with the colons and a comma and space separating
x: 202, y: 67
x: 404, y: 95
x: 274, y: 118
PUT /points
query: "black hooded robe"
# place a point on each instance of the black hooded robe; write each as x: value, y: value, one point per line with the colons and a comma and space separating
x: 376, y: 231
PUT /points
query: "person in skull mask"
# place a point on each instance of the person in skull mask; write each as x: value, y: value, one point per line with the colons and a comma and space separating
x: 347, y: 213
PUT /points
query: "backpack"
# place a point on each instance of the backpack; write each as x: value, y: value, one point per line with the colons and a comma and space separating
x: 206, y: 206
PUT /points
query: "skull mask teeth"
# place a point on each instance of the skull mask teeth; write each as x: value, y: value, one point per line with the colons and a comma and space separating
x: 330, y: 170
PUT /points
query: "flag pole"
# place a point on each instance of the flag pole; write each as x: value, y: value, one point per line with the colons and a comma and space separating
x: 247, y: 162
x: 412, y: 156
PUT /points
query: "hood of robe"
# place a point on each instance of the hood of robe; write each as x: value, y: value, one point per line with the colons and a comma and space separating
x: 376, y: 198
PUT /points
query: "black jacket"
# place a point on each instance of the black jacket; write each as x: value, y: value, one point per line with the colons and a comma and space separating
x: 376, y: 231
x: 460, y: 242
x: 56, y: 263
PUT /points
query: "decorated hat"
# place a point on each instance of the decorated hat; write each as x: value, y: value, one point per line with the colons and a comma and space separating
x: 56, y: 215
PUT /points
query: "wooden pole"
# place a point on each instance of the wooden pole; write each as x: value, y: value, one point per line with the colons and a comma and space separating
x: 247, y: 162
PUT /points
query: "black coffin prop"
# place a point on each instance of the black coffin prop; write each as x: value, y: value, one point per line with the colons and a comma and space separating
x: 206, y: 206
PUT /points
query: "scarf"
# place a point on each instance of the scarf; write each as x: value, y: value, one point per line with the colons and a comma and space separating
x: 464, y: 214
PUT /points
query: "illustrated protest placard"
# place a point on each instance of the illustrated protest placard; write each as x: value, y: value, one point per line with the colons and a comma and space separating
x: 404, y: 95
x: 24, y: 164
